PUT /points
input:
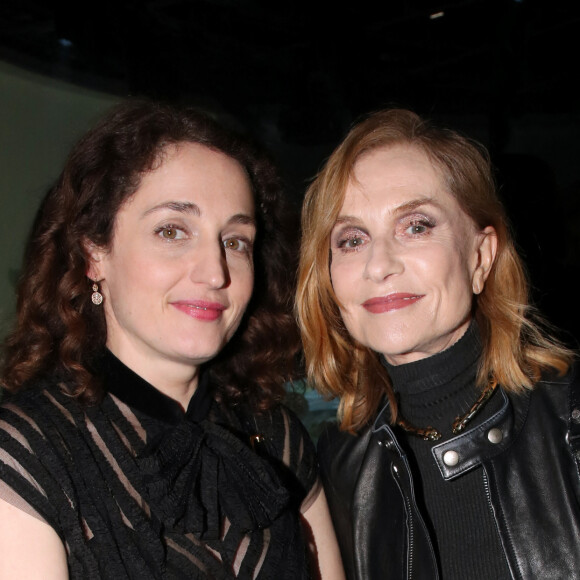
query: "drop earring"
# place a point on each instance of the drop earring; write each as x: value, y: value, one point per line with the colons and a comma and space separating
x: 96, y: 296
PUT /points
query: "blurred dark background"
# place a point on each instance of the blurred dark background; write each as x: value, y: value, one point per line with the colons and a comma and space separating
x: 297, y: 74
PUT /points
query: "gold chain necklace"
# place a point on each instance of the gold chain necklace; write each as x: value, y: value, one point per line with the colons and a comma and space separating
x: 432, y: 434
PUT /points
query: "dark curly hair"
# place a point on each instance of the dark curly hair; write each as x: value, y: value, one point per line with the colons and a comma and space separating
x: 58, y: 331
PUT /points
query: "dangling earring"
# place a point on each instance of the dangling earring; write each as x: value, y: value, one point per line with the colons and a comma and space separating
x: 96, y: 296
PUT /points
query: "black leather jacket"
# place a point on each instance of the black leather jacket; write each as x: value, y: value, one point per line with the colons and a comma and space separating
x: 529, y: 452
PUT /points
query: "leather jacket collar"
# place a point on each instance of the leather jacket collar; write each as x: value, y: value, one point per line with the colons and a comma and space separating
x: 469, y: 449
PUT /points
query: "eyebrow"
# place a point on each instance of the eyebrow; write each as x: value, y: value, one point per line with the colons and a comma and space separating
x: 400, y: 209
x: 414, y: 204
x: 192, y: 208
x: 180, y: 206
x: 243, y: 219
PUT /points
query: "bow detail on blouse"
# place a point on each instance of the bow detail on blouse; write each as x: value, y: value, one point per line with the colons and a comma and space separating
x: 196, y: 473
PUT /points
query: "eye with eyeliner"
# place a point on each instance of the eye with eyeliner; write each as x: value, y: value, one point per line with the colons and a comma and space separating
x: 417, y: 225
x: 349, y: 240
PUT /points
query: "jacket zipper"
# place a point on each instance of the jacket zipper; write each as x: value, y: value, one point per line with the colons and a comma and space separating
x: 411, y: 538
x: 490, y: 505
x: 411, y: 526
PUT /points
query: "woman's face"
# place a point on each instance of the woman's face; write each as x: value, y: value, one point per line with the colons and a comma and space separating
x: 405, y: 258
x: 179, y: 273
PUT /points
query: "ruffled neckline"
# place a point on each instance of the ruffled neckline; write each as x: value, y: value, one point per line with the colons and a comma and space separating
x: 194, y: 471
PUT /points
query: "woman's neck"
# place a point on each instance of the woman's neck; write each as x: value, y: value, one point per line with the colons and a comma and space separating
x: 435, y: 390
x: 174, y: 379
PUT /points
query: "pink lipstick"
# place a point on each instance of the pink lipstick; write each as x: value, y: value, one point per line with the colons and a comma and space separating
x: 394, y: 301
x: 200, y: 309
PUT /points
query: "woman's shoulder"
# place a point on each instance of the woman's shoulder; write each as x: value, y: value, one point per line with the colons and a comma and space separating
x: 37, y: 417
x: 23, y: 401
x: 342, y: 451
x: 557, y: 385
x: 282, y: 428
x: 37, y: 401
x: 278, y: 433
x: 31, y: 458
x: 554, y: 397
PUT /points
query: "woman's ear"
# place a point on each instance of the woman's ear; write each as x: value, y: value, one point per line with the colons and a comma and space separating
x: 485, y: 257
x: 94, y: 256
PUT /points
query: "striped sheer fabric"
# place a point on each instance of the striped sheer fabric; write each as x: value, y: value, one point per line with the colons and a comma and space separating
x: 82, y: 471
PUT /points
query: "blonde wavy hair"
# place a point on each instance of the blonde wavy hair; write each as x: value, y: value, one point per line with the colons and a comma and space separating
x: 516, y: 345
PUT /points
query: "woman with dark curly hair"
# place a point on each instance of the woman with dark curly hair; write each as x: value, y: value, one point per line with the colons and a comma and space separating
x: 457, y: 453
x: 142, y: 435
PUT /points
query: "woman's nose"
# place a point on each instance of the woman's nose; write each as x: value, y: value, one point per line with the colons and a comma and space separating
x: 210, y: 265
x: 383, y: 259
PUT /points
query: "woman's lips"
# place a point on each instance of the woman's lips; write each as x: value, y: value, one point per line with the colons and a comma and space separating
x: 200, y: 309
x: 391, y: 302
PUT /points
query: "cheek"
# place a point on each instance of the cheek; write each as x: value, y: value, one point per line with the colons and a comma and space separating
x: 444, y: 267
x: 243, y: 284
x: 341, y: 278
x: 455, y: 284
x: 135, y: 279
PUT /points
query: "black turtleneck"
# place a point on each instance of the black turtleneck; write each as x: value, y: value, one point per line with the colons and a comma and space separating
x: 433, y: 392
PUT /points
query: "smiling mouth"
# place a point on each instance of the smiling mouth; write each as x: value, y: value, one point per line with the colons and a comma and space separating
x: 391, y: 302
x: 200, y: 309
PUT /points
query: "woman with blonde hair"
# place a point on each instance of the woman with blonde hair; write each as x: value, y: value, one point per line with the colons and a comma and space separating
x: 456, y: 453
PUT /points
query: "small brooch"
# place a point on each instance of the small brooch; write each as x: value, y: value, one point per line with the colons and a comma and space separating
x: 256, y: 440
